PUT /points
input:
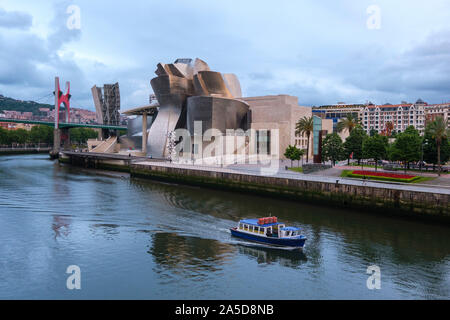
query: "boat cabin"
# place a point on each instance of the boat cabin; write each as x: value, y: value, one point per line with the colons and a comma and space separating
x: 289, y: 232
x: 272, y: 228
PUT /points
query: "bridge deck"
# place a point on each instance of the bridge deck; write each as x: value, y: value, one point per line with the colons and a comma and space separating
x: 65, y: 125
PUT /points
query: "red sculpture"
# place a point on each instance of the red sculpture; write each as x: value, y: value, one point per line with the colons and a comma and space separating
x: 61, y: 98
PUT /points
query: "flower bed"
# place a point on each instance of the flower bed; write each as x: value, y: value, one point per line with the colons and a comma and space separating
x: 386, y: 176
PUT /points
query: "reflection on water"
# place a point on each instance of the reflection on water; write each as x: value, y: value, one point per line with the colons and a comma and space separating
x: 61, y: 226
x: 142, y: 239
x: 190, y: 256
x: 286, y: 258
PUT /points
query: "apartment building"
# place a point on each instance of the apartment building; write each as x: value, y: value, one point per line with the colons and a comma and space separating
x: 398, y: 117
x: 437, y: 110
x: 382, y: 118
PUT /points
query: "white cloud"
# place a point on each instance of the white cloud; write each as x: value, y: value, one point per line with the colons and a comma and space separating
x: 321, y: 52
x: 15, y: 20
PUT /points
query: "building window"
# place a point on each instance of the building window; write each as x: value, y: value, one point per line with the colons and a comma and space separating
x: 263, y: 142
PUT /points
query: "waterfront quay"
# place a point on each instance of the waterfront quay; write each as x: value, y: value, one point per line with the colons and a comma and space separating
x: 419, y: 201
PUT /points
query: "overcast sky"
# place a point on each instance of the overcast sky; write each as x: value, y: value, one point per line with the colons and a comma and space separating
x: 321, y: 51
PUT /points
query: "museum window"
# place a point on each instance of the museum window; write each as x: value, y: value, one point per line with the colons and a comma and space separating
x: 263, y: 142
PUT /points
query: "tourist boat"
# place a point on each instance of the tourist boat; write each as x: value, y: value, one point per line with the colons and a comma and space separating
x: 269, y: 231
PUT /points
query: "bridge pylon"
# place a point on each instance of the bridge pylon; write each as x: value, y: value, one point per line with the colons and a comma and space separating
x: 61, y: 134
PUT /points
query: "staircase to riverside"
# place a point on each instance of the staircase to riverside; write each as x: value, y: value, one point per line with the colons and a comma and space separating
x: 106, y: 146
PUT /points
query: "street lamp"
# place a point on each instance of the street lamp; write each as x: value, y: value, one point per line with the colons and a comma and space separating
x: 421, y: 162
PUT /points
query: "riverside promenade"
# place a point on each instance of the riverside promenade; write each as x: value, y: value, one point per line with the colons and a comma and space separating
x: 286, y: 174
x: 423, y: 201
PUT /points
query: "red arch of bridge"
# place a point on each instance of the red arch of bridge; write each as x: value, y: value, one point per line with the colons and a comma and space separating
x: 61, y: 98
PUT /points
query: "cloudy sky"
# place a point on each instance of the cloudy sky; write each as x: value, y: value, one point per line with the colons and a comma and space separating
x: 321, y: 51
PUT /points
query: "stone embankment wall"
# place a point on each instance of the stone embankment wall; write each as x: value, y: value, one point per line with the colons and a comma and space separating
x: 426, y: 205
x: 434, y: 206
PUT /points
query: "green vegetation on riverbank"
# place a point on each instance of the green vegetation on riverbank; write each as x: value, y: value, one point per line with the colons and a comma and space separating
x: 42, y: 135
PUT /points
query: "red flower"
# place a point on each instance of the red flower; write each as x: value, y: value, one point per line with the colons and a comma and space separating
x: 383, y: 174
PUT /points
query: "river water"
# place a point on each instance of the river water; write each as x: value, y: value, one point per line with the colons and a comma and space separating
x: 139, y: 239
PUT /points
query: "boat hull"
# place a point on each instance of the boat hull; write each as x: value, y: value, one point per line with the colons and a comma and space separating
x: 297, y: 243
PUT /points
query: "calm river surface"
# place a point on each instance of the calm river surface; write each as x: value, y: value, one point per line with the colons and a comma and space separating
x: 138, y: 239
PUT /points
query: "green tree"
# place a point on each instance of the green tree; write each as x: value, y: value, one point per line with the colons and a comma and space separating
x: 293, y: 153
x: 373, y: 132
x: 75, y: 135
x: 430, y: 149
x: 41, y: 134
x: 438, y: 130
x: 47, y: 134
x: 82, y: 135
x: 375, y: 148
x: 305, y: 126
x: 37, y: 134
x: 4, y: 137
x: 354, y: 143
x: 407, y: 147
x: 19, y: 136
x: 349, y: 123
x: 333, y: 148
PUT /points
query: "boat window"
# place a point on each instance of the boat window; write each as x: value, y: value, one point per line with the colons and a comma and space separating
x: 256, y: 229
x: 245, y: 227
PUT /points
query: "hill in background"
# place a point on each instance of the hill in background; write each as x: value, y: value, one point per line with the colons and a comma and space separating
x: 22, y: 106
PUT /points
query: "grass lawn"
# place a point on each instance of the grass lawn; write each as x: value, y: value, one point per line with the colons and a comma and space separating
x: 348, y: 174
x: 300, y: 170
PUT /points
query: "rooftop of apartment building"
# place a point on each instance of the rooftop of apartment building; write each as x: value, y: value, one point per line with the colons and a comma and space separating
x: 370, y: 105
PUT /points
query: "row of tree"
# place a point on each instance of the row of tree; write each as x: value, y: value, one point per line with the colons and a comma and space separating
x: 42, y: 135
x: 37, y: 135
x: 81, y: 135
x: 409, y: 146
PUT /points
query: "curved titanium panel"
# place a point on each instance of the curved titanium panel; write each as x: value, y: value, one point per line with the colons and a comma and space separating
x: 215, y: 113
x: 171, y: 85
x: 200, y: 65
x: 233, y: 84
x: 167, y: 120
x: 212, y: 83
